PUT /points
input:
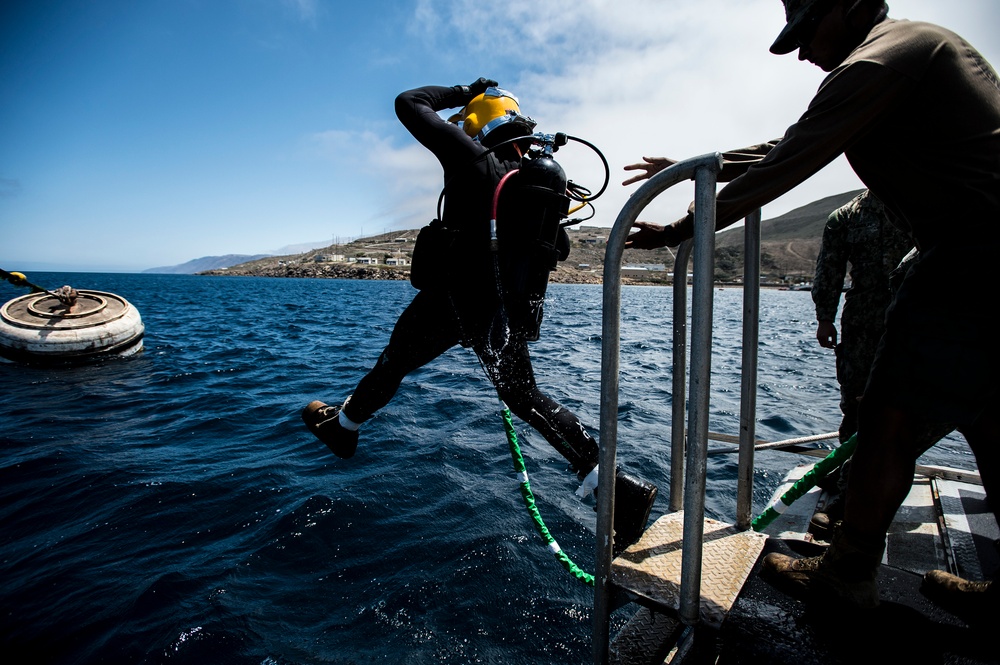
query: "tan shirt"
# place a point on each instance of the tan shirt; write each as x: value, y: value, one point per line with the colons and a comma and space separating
x: 917, y: 112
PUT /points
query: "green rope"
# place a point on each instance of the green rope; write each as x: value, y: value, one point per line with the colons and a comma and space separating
x: 529, y: 501
x: 819, y: 471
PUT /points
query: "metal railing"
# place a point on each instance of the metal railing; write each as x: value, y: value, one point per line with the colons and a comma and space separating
x: 689, y: 446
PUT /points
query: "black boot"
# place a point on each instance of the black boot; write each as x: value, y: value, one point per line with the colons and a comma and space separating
x: 324, y: 422
x: 633, y: 503
x: 821, y: 523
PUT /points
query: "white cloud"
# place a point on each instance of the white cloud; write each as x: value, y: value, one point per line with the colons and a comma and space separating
x: 661, y: 78
x: 408, y: 178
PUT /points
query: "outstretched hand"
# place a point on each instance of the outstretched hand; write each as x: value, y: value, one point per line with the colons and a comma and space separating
x: 649, y: 236
x: 654, y: 236
x: 650, y: 165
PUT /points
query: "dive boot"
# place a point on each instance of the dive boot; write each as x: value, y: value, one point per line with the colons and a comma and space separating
x: 633, y: 503
x: 845, y: 573
x: 975, y: 602
x: 324, y: 422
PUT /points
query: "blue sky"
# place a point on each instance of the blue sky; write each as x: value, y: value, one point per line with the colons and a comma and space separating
x: 144, y: 133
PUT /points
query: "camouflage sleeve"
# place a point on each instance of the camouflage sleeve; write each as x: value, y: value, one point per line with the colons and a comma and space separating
x: 831, y: 266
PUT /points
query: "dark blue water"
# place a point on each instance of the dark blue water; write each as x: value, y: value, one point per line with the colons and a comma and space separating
x: 171, y: 507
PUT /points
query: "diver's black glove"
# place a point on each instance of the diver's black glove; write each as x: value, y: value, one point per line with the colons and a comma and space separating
x: 477, y: 87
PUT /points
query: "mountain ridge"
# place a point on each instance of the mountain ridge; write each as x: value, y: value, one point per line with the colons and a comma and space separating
x: 789, y: 247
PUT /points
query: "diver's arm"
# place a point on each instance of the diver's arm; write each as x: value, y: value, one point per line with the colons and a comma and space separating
x: 418, y: 109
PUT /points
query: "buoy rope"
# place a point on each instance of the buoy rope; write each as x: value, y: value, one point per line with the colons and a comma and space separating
x: 529, y: 502
x: 66, y: 295
x: 820, y: 470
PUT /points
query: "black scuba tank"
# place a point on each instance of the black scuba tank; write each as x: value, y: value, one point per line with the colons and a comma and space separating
x: 531, y: 238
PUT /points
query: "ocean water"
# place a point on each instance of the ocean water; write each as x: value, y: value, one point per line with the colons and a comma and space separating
x: 172, y: 508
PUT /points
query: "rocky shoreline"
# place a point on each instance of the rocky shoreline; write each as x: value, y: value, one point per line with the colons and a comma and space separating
x: 318, y: 270
x: 387, y: 273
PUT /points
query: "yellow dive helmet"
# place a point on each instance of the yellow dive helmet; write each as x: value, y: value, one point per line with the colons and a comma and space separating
x: 492, y: 109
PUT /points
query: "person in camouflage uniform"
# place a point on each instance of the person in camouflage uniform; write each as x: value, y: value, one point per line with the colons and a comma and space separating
x: 858, y: 233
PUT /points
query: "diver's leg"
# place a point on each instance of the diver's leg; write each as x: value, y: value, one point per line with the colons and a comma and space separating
x: 426, y: 329
x: 511, y: 372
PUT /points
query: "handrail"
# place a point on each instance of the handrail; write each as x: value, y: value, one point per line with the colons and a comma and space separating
x: 748, y: 390
x: 689, y: 445
x: 677, y: 434
x: 703, y: 170
x: 702, y: 298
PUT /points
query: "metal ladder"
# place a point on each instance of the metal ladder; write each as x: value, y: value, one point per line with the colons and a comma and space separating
x: 684, y: 565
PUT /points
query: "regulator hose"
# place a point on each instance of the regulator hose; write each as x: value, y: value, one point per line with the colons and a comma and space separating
x: 607, y: 169
x: 552, y: 142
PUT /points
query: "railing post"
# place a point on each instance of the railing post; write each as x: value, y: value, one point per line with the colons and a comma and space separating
x: 678, y: 435
x: 701, y: 370
x: 748, y: 394
x: 707, y: 166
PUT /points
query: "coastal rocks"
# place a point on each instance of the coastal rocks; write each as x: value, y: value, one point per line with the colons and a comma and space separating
x: 560, y: 275
x: 327, y: 271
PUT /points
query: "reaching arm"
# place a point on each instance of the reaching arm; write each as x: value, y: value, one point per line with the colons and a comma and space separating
x: 734, y: 163
x: 851, y: 101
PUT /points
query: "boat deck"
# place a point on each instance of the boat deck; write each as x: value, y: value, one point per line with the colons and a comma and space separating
x: 945, y: 524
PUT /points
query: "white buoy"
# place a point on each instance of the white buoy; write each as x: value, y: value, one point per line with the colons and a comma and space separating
x: 40, y: 328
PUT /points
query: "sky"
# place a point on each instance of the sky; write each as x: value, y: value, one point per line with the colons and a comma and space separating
x: 139, y: 134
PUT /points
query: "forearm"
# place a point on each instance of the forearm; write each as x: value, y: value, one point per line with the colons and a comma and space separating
x: 736, y: 162
x: 847, y: 104
x: 417, y: 110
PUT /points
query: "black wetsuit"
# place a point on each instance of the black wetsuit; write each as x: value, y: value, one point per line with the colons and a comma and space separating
x: 473, y: 310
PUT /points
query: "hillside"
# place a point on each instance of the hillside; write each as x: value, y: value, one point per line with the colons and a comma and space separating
x: 206, y: 263
x: 789, y: 243
x: 789, y: 246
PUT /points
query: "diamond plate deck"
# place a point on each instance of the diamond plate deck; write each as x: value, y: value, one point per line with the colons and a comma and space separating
x: 651, y: 567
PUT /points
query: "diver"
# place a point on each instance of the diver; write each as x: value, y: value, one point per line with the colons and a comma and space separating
x: 492, y: 301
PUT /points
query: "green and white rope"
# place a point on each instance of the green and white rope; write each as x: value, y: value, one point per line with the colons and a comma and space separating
x: 529, y: 501
x: 819, y: 471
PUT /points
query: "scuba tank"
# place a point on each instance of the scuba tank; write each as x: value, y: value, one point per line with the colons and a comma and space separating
x: 529, y: 231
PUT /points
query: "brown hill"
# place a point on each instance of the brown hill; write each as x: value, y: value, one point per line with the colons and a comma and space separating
x: 789, y: 246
